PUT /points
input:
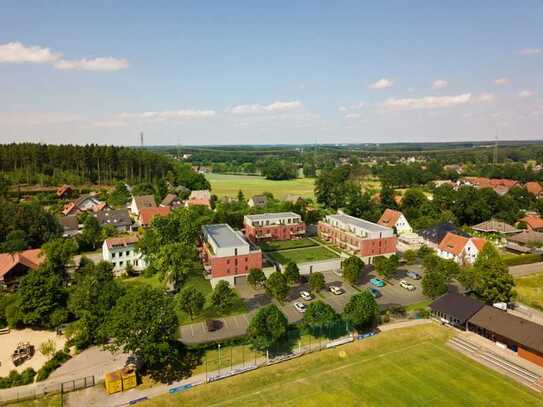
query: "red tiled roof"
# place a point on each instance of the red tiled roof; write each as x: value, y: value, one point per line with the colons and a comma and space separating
x: 63, y: 189
x: 389, y: 218
x: 68, y: 208
x: 452, y: 243
x: 533, y: 221
x: 147, y: 214
x: 121, y: 241
x: 479, y: 242
x: 30, y: 258
x: 201, y: 202
x: 534, y: 187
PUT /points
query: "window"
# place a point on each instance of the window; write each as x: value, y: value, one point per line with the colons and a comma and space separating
x: 113, y: 255
x: 228, y: 261
x: 235, y: 252
x: 121, y: 264
x: 127, y: 253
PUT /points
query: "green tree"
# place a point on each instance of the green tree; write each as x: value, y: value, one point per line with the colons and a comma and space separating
x: 316, y: 282
x: 191, y: 301
x: 91, y: 235
x: 434, y: 284
x: 256, y: 278
x: 175, y: 261
x: 361, y: 309
x: 352, y: 269
x: 267, y: 328
x: 319, y: 315
x: 223, y: 296
x: 292, y: 273
x: 410, y: 256
x: 277, y: 286
x: 143, y: 323
x: 386, y: 267
x: 119, y: 196
x: 492, y: 282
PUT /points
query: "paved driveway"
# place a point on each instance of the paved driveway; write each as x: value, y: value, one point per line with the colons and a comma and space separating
x: 526, y: 269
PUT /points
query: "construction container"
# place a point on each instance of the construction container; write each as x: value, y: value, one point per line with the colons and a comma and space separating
x: 128, y: 376
x: 114, y: 383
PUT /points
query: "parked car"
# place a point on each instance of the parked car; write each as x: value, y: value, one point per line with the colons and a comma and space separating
x: 406, y: 285
x: 377, y: 282
x: 375, y: 292
x: 300, y: 306
x: 336, y: 290
x: 306, y: 295
x: 414, y: 275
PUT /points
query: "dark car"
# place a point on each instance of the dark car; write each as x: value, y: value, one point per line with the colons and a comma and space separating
x: 414, y: 275
x: 375, y: 292
x: 213, y: 325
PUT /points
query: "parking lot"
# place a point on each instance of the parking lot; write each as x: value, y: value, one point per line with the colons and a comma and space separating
x: 392, y: 294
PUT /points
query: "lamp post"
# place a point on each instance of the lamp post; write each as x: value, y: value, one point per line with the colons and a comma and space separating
x: 219, y: 359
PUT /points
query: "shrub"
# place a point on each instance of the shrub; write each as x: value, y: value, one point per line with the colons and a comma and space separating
x: 17, y: 379
x: 58, y: 359
x: 48, y: 347
x: 521, y: 259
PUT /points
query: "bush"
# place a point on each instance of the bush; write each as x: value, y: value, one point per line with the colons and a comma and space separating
x: 57, y: 360
x: 18, y: 379
x: 521, y: 259
x: 48, y: 347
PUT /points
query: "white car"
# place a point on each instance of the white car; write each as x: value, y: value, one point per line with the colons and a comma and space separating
x: 406, y: 285
x: 300, y: 306
x: 306, y: 295
x: 335, y: 290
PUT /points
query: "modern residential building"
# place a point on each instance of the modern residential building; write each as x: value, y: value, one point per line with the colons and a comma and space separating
x: 273, y: 226
x: 122, y: 250
x: 396, y: 220
x: 147, y: 215
x: 14, y: 266
x: 227, y: 255
x: 358, y: 236
x: 140, y: 202
x: 119, y: 218
x: 463, y: 250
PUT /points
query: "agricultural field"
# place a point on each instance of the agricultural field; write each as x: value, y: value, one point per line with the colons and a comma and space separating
x: 530, y: 290
x: 302, y: 255
x: 275, y: 245
x: 229, y: 185
x: 406, y: 367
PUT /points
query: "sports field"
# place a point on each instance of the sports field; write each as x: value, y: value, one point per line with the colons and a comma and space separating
x: 406, y: 367
x: 530, y: 290
x: 302, y: 255
x: 229, y: 185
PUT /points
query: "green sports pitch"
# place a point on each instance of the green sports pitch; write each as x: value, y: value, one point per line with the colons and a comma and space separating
x: 404, y: 367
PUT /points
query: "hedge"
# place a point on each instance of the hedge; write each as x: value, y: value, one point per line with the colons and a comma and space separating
x: 521, y: 259
x: 58, y: 359
x: 18, y: 379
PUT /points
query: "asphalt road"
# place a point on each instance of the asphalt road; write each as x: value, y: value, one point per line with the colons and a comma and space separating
x: 526, y: 269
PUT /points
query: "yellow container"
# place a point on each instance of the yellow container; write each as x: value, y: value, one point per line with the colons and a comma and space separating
x: 129, y: 379
x: 114, y: 383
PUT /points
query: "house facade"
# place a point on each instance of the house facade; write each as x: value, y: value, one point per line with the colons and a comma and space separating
x: 395, y: 219
x: 14, y: 266
x: 121, y: 251
x: 227, y: 255
x: 83, y: 204
x: 140, y: 202
x: 273, y: 226
x: 358, y: 236
x: 463, y: 250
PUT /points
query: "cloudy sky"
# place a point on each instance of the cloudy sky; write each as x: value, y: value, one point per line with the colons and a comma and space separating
x: 233, y: 72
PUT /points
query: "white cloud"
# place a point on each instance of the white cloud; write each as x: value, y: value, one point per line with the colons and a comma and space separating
x: 485, y: 97
x: 440, y: 84
x: 382, y: 84
x: 169, y: 115
x: 355, y: 106
x: 526, y: 93
x: 427, y: 102
x: 274, y: 107
x: 530, y: 51
x: 502, y: 81
x: 16, y: 52
x: 352, y: 116
x: 96, y: 64
x: 342, y: 109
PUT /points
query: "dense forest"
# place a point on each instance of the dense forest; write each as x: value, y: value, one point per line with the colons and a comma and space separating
x: 53, y: 164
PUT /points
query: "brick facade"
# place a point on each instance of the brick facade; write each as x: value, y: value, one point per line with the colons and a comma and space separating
x: 274, y: 232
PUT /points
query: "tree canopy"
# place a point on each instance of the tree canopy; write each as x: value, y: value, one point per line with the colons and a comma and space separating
x: 267, y: 328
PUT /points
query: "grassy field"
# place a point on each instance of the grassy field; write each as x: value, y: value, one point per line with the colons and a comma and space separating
x: 302, y: 255
x: 229, y: 185
x: 273, y: 246
x: 530, y: 290
x: 407, y: 367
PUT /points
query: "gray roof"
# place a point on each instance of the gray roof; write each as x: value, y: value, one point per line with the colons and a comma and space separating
x: 494, y: 226
x: 69, y: 223
x: 169, y: 199
x: 145, y: 201
x: 361, y: 223
x: 118, y: 217
x: 526, y: 237
x: 273, y: 216
x: 260, y: 200
x: 223, y: 235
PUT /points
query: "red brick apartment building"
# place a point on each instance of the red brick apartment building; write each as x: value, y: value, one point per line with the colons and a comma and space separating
x: 227, y: 255
x: 273, y: 226
x: 358, y: 236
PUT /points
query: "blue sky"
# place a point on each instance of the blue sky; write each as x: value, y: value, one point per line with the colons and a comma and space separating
x: 283, y: 72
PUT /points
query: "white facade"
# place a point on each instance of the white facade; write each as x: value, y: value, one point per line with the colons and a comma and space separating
x: 225, y: 241
x: 271, y: 219
x: 468, y: 254
x: 360, y: 227
x: 122, y: 254
x: 402, y: 226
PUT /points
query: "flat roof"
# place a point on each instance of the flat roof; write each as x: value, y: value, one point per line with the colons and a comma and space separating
x: 520, y: 330
x: 459, y: 306
x: 223, y: 235
x: 361, y: 223
x: 277, y: 215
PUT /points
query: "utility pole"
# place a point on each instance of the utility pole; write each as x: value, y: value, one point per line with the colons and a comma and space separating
x: 141, y: 139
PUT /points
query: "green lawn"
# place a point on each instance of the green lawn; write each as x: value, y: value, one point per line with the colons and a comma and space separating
x: 286, y: 244
x: 229, y: 185
x: 530, y: 290
x: 302, y: 255
x: 153, y: 281
x: 406, y: 367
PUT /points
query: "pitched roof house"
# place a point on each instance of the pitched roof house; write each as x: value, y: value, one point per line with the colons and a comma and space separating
x: 200, y: 194
x: 64, y: 191
x: 258, y: 201
x: 395, y: 219
x: 121, y: 251
x: 14, y: 266
x: 171, y: 200
x: 495, y: 226
x: 82, y: 204
x: 147, y: 215
x: 534, y: 188
x: 533, y: 222
x: 461, y: 249
x: 119, y: 218
x: 434, y: 235
x: 140, y: 202
x: 70, y: 225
